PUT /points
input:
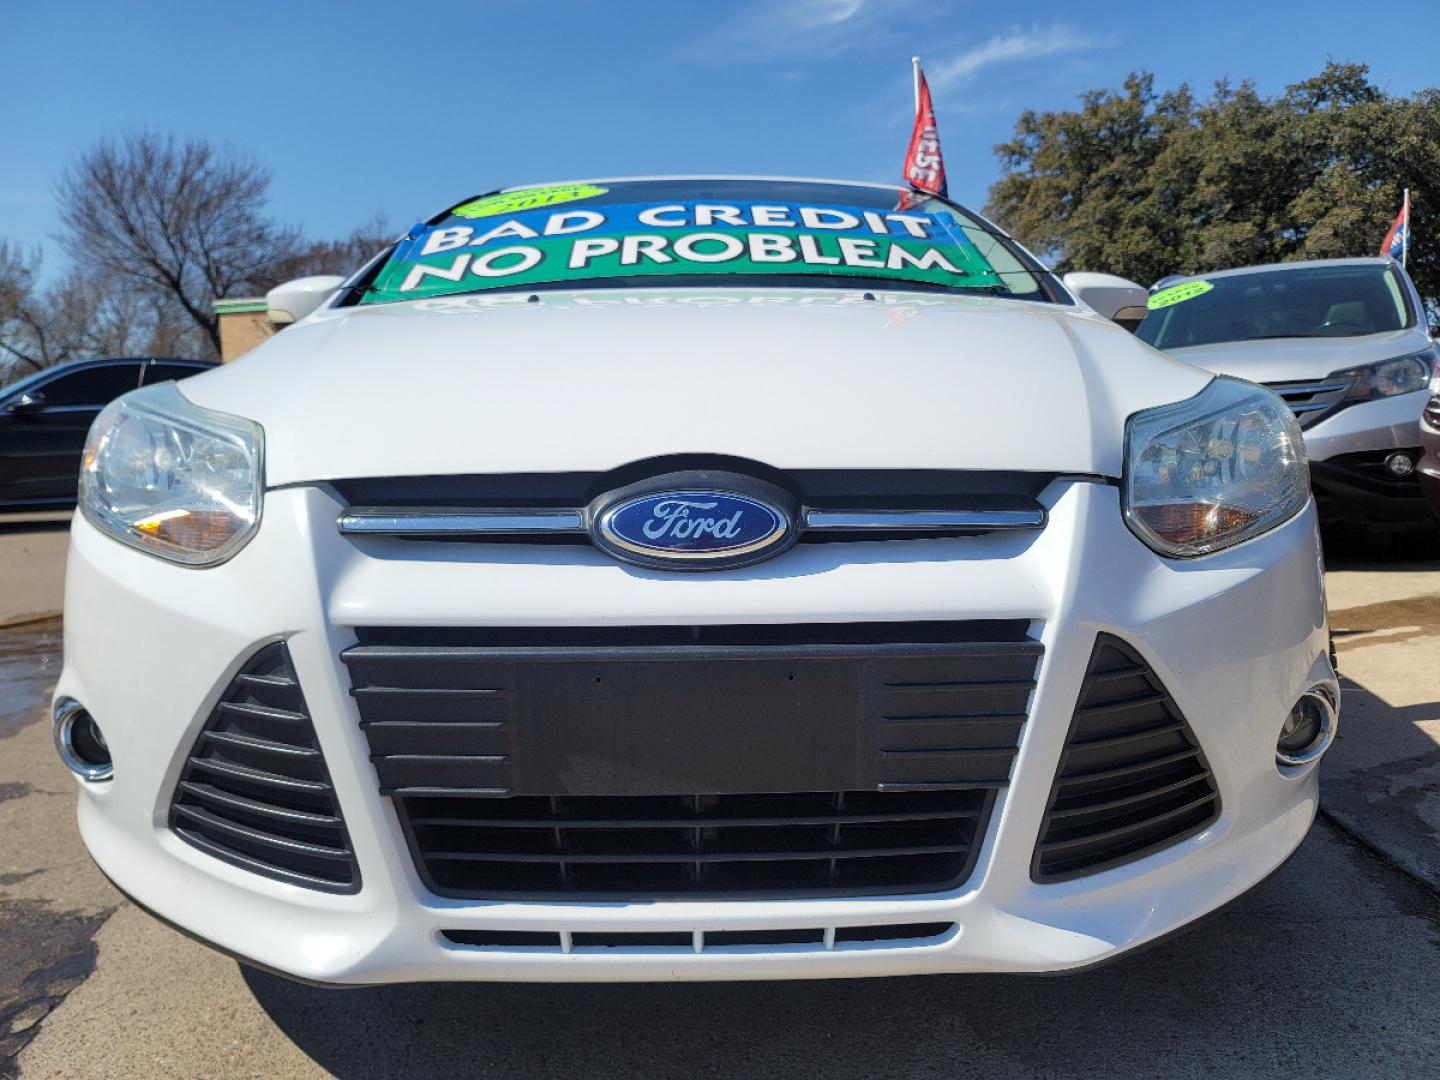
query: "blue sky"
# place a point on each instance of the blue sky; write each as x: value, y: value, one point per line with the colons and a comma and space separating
x: 399, y: 108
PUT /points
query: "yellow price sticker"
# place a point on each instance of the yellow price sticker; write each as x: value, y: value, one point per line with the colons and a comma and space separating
x: 510, y: 202
x: 1178, y: 294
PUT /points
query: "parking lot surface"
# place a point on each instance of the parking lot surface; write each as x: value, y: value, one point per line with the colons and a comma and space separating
x: 1330, y: 968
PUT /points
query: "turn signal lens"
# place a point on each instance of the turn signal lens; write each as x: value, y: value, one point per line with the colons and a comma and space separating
x: 1208, y: 473
x: 1192, y: 522
x: 173, y: 479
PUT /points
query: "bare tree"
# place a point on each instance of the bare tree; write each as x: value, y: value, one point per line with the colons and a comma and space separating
x: 80, y: 315
x: 25, y: 343
x: 175, y: 223
x: 338, y: 256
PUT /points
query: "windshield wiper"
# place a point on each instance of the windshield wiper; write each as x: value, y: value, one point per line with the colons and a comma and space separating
x: 1278, y: 337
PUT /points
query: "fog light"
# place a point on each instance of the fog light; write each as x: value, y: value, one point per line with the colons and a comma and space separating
x: 1308, y: 729
x: 1399, y: 464
x: 79, y: 742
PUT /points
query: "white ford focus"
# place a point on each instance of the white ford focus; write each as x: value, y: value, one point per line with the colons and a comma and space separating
x: 694, y: 579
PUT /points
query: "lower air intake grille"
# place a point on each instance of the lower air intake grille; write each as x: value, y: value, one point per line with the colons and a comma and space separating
x: 646, y: 761
x: 255, y: 791
x: 1132, y: 778
x: 732, y: 845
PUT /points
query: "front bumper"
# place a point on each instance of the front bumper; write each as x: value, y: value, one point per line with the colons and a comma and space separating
x: 1235, y: 637
x: 1347, y: 451
x: 1430, y: 452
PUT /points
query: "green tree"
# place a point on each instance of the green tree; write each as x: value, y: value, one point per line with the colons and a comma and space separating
x: 1145, y: 184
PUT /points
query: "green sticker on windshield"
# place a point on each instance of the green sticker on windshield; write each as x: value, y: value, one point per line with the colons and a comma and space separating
x: 1178, y: 294
x: 510, y: 202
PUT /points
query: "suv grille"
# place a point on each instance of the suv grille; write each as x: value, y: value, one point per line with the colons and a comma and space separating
x: 680, y: 760
x: 1132, y: 778
x: 255, y: 791
x: 1312, y: 401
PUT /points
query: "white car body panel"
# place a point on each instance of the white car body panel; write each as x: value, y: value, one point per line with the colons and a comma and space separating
x: 589, y: 381
x: 1296, y: 359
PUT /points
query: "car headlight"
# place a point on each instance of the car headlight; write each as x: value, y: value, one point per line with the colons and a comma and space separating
x: 1213, y: 471
x: 1403, y: 375
x: 172, y: 479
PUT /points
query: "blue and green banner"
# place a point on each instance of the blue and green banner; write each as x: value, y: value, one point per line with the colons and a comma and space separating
x: 568, y: 234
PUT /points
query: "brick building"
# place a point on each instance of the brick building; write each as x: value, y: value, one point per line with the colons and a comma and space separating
x: 243, y: 325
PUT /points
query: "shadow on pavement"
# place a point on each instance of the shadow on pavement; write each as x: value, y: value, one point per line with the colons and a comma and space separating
x: 1381, y: 779
x: 17, y: 526
x: 1355, y: 549
x: 1285, y: 979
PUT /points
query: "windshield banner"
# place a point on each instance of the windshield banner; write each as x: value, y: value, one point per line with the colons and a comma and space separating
x: 568, y: 243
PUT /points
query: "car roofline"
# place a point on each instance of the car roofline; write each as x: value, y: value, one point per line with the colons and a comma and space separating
x: 707, y: 176
x: 100, y: 361
x: 1263, y: 268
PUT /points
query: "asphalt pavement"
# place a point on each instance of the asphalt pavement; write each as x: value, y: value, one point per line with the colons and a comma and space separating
x: 1329, y: 968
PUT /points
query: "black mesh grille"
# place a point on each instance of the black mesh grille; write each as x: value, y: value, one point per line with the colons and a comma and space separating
x: 1132, y: 778
x: 255, y: 791
x: 650, y: 846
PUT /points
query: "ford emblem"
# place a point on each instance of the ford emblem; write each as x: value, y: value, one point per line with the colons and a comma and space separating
x: 692, y: 528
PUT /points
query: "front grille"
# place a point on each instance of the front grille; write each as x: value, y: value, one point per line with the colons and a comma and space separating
x: 551, y: 508
x: 1313, y: 401
x: 833, y: 489
x: 1432, y: 411
x: 1132, y: 778
x: 694, y: 760
x: 255, y: 791
x: 807, y: 939
x: 654, y: 846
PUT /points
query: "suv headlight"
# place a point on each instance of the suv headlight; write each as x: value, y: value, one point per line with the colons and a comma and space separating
x: 1403, y: 375
x: 172, y: 479
x: 1213, y: 471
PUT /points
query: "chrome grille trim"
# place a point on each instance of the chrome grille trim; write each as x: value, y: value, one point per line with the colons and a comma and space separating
x: 1312, y: 401
x: 520, y: 522
x: 923, y: 520
x: 447, y: 521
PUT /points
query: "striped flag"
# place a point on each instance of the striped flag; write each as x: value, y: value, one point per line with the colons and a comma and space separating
x: 1397, y: 240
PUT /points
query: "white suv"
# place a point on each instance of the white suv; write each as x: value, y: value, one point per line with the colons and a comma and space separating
x: 1345, y: 342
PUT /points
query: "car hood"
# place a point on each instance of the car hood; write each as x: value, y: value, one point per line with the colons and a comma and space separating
x: 792, y: 378
x: 1292, y: 359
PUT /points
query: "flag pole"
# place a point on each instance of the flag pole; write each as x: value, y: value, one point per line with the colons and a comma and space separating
x: 915, y: 71
x: 1405, y: 240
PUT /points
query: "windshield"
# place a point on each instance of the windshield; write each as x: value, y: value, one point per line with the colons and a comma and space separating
x: 1310, y: 301
x: 702, y: 232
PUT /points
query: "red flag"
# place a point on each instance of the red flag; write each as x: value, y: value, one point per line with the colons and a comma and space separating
x: 924, y: 164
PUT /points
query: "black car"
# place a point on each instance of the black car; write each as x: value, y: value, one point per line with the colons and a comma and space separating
x: 45, y: 417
